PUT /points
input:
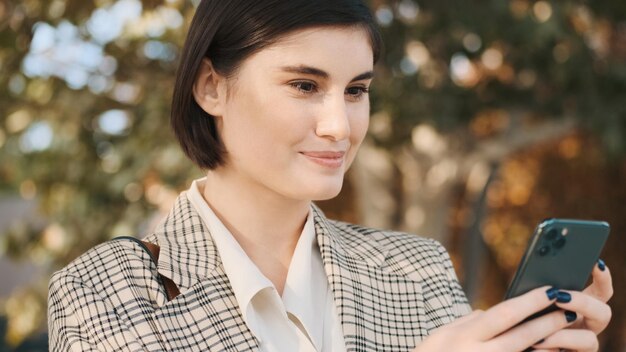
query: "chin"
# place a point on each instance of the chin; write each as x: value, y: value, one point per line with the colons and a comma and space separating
x: 315, y: 188
x: 325, y: 192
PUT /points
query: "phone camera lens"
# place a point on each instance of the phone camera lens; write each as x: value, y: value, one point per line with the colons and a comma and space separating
x: 552, y: 233
x: 544, y: 250
x: 559, y: 243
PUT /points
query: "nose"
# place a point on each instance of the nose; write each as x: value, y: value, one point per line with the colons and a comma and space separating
x: 334, y: 121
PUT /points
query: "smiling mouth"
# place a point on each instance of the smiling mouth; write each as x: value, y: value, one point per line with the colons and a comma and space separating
x: 329, y: 159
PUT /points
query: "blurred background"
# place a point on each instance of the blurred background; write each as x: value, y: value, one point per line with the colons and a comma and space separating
x: 487, y: 117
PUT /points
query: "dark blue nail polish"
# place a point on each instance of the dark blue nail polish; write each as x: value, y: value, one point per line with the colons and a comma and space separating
x: 570, y: 316
x: 601, y: 265
x: 552, y: 293
x: 563, y: 297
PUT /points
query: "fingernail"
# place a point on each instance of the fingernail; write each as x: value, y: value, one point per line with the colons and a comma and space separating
x: 570, y: 316
x: 563, y: 297
x: 601, y: 265
x: 552, y: 293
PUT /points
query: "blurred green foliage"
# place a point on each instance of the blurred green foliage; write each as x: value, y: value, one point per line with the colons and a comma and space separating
x: 547, y: 60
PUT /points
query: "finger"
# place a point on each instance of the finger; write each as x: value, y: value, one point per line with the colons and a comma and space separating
x: 469, y: 318
x: 571, y: 339
x: 466, y: 318
x: 602, y: 285
x: 534, y: 348
x: 527, y: 334
x: 511, y: 312
x: 596, y: 313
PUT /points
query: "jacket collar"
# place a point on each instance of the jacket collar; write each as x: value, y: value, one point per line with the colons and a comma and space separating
x: 336, y: 248
x: 188, y: 253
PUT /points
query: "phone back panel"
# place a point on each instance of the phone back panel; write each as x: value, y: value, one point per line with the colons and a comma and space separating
x: 561, y: 253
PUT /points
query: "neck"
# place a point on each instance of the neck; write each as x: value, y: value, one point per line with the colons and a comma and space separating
x: 266, y: 225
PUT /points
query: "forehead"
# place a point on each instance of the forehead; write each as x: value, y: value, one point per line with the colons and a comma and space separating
x: 336, y: 50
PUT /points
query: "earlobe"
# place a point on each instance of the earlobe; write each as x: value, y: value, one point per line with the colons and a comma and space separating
x: 207, y: 89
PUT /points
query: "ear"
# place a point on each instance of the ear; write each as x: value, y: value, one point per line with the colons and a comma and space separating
x: 209, y: 89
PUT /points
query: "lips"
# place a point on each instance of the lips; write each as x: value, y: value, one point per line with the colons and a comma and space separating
x: 325, y: 154
x: 329, y: 159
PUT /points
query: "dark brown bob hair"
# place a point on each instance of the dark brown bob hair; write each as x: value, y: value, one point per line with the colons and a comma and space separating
x: 229, y: 31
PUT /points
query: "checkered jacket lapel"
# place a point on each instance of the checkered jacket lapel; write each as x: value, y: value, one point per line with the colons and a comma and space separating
x: 205, y: 316
x: 377, y: 308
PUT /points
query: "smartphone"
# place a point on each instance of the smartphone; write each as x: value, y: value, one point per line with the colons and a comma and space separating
x: 561, y: 253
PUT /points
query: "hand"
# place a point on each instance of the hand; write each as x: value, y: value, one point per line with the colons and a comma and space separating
x: 593, y: 315
x: 497, y: 329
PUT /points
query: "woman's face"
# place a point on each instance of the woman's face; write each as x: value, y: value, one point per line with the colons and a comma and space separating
x: 297, y: 112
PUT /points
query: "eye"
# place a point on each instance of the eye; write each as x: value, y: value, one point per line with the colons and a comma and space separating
x: 304, y: 87
x: 357, y: 92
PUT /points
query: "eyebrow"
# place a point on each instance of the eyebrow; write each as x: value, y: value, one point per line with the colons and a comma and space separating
x: 308, y: 70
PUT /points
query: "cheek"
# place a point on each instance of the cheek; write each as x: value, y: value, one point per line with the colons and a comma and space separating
x: 358, y: 129
x: 260, y: 122
x: 359, y: 124
x: 245, y: 111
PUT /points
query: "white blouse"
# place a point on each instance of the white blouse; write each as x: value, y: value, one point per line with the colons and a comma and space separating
x: 305, y: 317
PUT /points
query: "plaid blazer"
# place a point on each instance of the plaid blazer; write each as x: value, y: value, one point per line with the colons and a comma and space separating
x: 391, y: 290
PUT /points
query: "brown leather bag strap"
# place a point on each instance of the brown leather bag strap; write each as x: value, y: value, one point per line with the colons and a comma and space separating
x: 170, y: 287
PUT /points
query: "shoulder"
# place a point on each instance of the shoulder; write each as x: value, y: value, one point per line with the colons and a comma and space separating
x: 422, y: 259
x: 102, y: 299
x: 413, y: 252
x: 108, y: 268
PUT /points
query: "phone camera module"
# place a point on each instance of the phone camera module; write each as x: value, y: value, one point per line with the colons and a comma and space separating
x: 544, y: 250
x: 552, y: 233
x: 559, y: 242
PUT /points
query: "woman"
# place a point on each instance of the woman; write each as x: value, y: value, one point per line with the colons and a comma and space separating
x: 271, y: 99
